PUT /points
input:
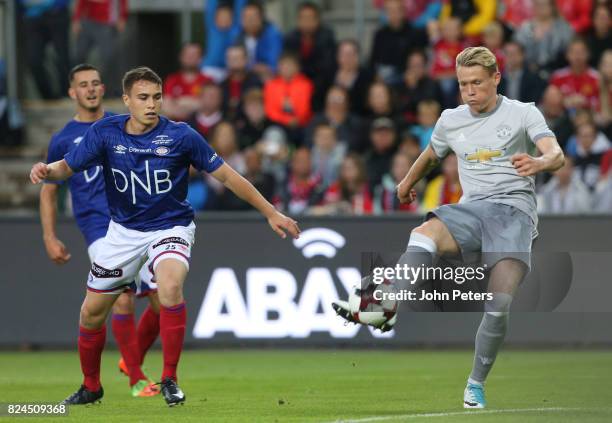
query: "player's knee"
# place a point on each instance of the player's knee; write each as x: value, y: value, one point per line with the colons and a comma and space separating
x: 428, y: 229
x: 91, y: 318
x: 124, y: 304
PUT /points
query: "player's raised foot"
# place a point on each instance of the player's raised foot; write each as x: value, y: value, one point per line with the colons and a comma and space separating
x: 343, y: 310
x: 123, y: 367
x: 171, y: 392
x: 144, y: 388
x: 84, y: 396
x: 473, y: 396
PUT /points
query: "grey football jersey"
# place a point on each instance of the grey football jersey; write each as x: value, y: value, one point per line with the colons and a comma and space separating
x: 484, y: 144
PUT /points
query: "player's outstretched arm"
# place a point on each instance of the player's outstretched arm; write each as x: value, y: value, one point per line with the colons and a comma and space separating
x: 246, y: 191
x: 421, y: 167
x: 56, y: 250
x: 551, y: 158
x: 56, y: 171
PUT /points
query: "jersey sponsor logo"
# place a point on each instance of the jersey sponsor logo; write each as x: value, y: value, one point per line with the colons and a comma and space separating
x: 155, y: 182
x: 77, y: 140
x: 119, y: 149
x: 171, y: 240
x: 100, y: 272
x: 483, y: 155
x: 162, y: 151
x: 139, y: 150
x: 162, y: 140
x: 504, y: 132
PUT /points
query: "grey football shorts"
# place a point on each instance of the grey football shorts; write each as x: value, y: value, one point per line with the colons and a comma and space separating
x: 496, y: 231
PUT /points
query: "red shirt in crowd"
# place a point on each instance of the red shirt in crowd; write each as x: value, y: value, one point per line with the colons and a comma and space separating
x: 444, y: 54
x: 107, y: 12
x: 176, y: 85
x: 288, y: 101
x: 577, y: 13
x: 361, y: 202
x: 585, y: 84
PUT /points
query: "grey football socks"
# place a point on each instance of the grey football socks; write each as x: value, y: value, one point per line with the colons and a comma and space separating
x: 490, y: 336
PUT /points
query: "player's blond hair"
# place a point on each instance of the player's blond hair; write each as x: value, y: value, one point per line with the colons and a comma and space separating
x: 477, y: 56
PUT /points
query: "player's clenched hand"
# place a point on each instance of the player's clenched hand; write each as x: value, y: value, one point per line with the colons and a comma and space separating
x: 525, y: 164
x: 281, y: 224
x: 38, y: 173
x: 406, y: 194
x: 57, y: 251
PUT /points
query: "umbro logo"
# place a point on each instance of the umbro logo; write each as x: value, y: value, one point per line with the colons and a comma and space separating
x: 212, y: 158
x: 77, y: 140
x: 120, y: 149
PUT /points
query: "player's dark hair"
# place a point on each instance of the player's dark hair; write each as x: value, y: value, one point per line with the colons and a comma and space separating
x: 81, y: 67
x: 141, y: 73
x: 310, y: 5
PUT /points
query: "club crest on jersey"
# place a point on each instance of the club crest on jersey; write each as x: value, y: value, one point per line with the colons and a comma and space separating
x: 119, y: 149
x: 161, y: 150
x: 504, y: 132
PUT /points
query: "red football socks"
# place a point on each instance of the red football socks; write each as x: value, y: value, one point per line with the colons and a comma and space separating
x: 147, y: 331
x: 91, y: 343
x: 172, y: 321
x: 124, y: 330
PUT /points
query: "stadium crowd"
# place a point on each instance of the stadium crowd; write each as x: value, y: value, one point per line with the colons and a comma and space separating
x: 320, y: 126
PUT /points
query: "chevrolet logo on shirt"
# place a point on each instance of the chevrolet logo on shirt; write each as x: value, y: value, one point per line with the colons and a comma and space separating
x: 483, y: 155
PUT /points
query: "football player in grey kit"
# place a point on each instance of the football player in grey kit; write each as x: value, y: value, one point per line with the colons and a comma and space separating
x: 500, y: 145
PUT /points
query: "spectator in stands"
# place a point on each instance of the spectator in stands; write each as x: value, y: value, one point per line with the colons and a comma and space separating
x: 97, y: 24
x: 47, y: 23
x: 447, y: 44
x: 287, y: 97
x: 263, y: 41
x: 603, y: 190
x: 336, y: 114
x: 603, y: 118
x: 589, y: 153
x: 410, y: 145
x: 327, y: 154
x: 565, y: 193
x: 444, y: 188
x: 599, y: 38
x: 382, y: 148
x: 385, y: 195
x: 303, y: 188
x: 578, y: 82
x: 349, y: 75
x: 544, y: 38
x: 380, y: 104
x: 253, y: 121
x: 393, y: 42
x: 314, y: 44
x: 418, y: 12
x: 518, y: 82
x: 209, y: 113
x: 417, y: 86
x: 239, y: 80
x: 350, y: 194
x: 514, y: 13
x: 182, y: 89
x: 274, y: 149
x: 493, y: 39
x: 577, y: 13
x: 427, y: 116
x: 221, y: 21
x: 475, y: 15
x: 11, y: 127
x: 556, y: 116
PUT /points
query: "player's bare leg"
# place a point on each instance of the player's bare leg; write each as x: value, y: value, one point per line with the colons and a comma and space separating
x: 124, y: 330
x: 504, y: 280
x: 170, y: 274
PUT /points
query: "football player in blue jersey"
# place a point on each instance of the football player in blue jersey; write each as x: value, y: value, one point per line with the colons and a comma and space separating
x: 92, y: 216
x: 146, y: 160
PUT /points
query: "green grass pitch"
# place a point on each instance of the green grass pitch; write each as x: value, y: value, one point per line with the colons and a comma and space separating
x: 328, y: 386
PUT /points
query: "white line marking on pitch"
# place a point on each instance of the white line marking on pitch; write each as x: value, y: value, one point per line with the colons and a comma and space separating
x: 455, y: 413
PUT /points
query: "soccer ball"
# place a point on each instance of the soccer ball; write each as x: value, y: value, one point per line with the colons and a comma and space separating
x: 367, y: 309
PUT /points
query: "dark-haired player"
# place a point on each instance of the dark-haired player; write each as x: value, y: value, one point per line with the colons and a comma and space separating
x: 146, y: 160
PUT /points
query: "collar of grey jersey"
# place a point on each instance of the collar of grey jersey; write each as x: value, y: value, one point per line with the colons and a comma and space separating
x: 500, y: 98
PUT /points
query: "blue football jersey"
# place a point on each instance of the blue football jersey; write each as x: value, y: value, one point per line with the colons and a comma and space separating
x: 146, y: 175
x: 86, y: 187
